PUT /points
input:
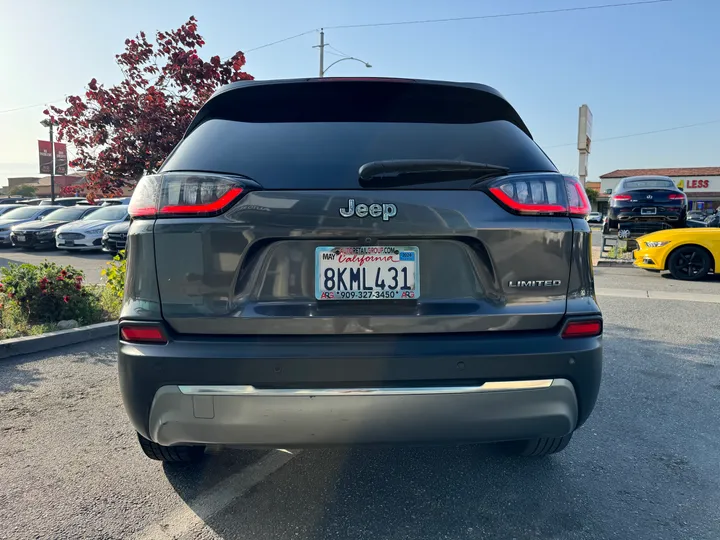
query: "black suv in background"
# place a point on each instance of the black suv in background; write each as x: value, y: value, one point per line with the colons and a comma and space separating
x: 343, y: 261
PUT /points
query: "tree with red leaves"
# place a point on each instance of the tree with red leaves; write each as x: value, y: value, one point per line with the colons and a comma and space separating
x: 125, y: 131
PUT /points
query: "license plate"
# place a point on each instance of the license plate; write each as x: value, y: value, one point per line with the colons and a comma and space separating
x: 648, y: 211
x: 20, y: 237
x: 70, y: 243
x: 367, y: 273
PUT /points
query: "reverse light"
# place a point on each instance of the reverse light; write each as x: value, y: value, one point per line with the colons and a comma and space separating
x: 587, y: 328
x: 622, y: 197
x: 185, y: 194
x: 657, y: 244
x: 142, y: 334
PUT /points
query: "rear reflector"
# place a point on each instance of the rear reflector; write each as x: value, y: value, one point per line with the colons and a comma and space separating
x: 185, y: 194
x: 576, y: 329
x: 142, y: 334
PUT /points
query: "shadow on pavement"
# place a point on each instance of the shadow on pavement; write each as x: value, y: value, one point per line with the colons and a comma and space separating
x: 15, y: 373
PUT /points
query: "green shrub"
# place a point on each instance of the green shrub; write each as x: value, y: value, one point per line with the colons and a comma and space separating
x: 112, y: 295
x: 45, y: 294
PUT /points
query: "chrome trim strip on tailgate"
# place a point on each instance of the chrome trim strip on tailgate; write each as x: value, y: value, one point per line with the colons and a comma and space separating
x: 249, y: 390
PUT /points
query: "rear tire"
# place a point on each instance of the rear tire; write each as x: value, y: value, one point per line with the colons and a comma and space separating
x: 689, y: 263
x: 543, y: 446
x: 171, y: 454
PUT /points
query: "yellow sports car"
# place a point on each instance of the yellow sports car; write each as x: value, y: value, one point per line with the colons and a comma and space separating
x: 688, y: 254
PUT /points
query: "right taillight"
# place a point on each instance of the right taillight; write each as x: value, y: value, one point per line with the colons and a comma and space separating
x: 547, y: 194
x: 676, y: 196
x: 185, y: 194
x: 531, y: 194
x: 583, y: 328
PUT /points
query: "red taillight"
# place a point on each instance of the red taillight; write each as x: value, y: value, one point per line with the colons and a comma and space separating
x: 622, y: 197
x: 587, y: 328
x: 578, y: 202
x: 531, y: 194
x: 142, y: 334
x: 541, y: 194
x: 184, y: 194
x: 676, y: 196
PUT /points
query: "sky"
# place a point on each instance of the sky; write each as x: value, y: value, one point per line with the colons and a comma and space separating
x: 639, y: 68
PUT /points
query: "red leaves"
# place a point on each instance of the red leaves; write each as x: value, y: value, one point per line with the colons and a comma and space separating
x: 124, y: 131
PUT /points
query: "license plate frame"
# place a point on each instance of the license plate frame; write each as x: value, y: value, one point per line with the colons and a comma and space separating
x: 70, y: 243
x: 372, y: 267
x: 20, y: 237
x: 648, y: 211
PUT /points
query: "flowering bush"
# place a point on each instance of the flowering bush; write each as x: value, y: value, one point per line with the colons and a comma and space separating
x: 47, y: 293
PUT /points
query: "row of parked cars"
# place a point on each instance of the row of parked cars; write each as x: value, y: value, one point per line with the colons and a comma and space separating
x: 71, y: 224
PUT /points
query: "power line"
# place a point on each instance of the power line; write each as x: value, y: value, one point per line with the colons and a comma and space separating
x: 499, y: 15
x: 31, y: 106
x: 283, y: 40
x: 627, y: 136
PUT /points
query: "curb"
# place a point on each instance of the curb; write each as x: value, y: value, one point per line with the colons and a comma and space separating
x: 609, y: 263
x: 60, y: 338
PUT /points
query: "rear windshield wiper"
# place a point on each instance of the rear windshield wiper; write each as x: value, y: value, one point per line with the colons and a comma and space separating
x: 403, y: 172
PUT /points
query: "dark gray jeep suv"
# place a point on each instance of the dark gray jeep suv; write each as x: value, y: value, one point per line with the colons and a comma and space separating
x: 358, y: 261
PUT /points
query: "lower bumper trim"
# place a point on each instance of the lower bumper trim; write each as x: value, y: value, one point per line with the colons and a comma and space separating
x: 324, y: 417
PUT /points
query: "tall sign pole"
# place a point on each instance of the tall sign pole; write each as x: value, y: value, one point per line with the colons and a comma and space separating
x: 52, y: 170
x: 585, y: 120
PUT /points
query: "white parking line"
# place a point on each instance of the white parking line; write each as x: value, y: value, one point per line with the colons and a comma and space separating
x: 660, y: 295
x: 215, y: 499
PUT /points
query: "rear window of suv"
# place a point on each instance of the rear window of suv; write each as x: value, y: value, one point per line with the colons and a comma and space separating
x: 317, y: 135
x: 327, y: 155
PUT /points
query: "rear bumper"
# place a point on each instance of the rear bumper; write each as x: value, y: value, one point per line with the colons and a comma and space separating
x: 324, y: 390
x: 297, y: 418
x: 671, y: 214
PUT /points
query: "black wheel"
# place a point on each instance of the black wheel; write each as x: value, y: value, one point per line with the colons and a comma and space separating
x: 543, y: 446
x: 689, y: 263
x: 171, y: 454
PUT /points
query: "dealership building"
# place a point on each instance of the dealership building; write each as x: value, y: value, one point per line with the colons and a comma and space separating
x: 700, y: 184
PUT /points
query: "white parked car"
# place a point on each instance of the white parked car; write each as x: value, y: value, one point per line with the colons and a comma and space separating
x: 86, y: 234
x: 594, y: 217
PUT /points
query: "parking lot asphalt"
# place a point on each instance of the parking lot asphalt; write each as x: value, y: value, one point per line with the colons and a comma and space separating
x: 90, y: 262
x: 645, y: 466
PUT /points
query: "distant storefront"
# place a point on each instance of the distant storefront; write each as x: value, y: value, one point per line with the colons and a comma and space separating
x: 701, y: 184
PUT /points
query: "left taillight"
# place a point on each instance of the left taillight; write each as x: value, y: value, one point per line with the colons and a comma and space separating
x: 185, y: 194
x: 138, y: 333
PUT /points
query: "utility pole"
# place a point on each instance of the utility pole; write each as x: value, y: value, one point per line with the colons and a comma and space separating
x: 322, y: 52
